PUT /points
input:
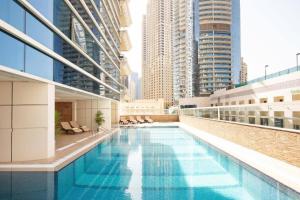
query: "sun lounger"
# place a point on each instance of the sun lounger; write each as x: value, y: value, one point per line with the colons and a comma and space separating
x: 140, y: 120
x: 123, y: 121
x: 148, y: 119
x: 67, y: 127
x: 132, y: 120
x: 74, y: 124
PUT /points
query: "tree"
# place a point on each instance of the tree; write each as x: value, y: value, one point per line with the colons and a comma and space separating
x: 99, y: 118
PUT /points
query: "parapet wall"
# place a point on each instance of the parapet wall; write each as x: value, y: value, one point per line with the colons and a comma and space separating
x: 282, y: 145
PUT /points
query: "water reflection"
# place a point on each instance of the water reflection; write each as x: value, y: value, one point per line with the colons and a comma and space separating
x: 151, y: 163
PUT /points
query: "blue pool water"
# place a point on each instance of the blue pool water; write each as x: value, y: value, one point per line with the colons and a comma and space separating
x: 148, y: 163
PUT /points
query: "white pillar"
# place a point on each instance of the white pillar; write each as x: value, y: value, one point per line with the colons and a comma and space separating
x: 33, y: 135
x: 5, y: 121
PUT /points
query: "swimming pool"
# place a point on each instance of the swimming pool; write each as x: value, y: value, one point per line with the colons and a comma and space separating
x: 148, y: 163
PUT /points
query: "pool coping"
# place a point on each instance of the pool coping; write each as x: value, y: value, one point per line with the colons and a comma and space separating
x: 284, y: 173
x: 280, y: 171
x: 57, y: 164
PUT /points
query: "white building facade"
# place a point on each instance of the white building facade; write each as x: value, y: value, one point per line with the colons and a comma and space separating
x: 182, y: 58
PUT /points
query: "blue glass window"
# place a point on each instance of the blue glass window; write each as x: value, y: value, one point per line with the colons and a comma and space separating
x: 44, y: 7
x: 38, y: 64
x: 38, y: 31
x: 11, y: 52
x: 13, y: 14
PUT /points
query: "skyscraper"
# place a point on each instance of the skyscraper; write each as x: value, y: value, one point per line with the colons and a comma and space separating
x: 195, y: 80
x: 134, y: 77
x: 182, y: 57
x: 157, y: 51
x: 243, y: 72
x: 219, y: 45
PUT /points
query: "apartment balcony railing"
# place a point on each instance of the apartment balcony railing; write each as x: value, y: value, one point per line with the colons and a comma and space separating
x: 125, y: 41
x: 279, y: 115
x: 124, y: 67
x: 125, y: 17
x: 270, y: 76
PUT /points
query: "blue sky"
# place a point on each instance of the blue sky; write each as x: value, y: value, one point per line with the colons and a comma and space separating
x: 270, y: 32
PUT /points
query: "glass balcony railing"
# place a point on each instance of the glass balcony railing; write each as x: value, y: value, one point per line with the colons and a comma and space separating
x: 270, y: 76
x: 271, y: 115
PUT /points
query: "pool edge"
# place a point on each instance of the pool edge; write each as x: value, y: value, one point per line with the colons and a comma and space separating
x: 282, y: 172
x: 57, y: 164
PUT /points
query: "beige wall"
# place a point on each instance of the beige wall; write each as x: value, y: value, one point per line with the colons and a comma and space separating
x: 142, y: 106
x: 86, y: 111
x: 115, y: 116
x: 27, y: 121
x: 198, y: 101
x: 279, y: 144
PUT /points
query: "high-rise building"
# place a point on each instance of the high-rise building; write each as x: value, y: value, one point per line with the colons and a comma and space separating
x: 195, y: 80
x: 145, y: 69
x: 134, y: 77
x: 219, y: 45
x: 157, y: 51
x: 58, y: 55
x: 182, y: 57
x: 243, y: 72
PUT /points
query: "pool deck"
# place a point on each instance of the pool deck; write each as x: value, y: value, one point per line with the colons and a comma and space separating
x: 70, y: 148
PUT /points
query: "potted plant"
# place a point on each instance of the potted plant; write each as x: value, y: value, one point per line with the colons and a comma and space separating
x: 99, y: 119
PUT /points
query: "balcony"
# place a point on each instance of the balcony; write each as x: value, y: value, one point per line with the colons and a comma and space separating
x: 125, y: 41
x: 125, y: 18
x: 125, y: 68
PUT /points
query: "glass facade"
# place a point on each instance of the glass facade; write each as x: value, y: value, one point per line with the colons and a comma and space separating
x: 236, y: 41
x: 88, y: 47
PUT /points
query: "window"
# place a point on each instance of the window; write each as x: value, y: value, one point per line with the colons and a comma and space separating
x: 11, y: 52
x: 13, y: 14
x: 264, y: 118
x: 251, y: 120
x: 279, y: 99
x: 44, y: 7
x: 38, y: 31
x: 296, y: 97
x: 264, y: 121
x: 296, y: 120
x: 263, y: 100
x: 251, y: 101
x: 279, y: 119
x: 38, y: 64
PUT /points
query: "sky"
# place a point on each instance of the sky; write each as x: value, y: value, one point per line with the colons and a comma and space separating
x: 270, y: 34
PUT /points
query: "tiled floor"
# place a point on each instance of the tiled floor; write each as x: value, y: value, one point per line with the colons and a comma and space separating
x: 68, y: 148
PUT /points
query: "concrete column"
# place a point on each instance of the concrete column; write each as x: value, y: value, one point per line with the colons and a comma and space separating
x: 104, y: 105
x: 33, y: 135
x: 271, y: 117
x: 115, y: 113
x: 288, y: 122
x: 5, y: 121
x: 74, y: 110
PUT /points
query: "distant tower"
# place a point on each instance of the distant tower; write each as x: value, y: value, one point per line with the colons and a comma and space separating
x: 219, y: 50
x: 157, y: 51
x: 243, y: 72
x: 182, y: 57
